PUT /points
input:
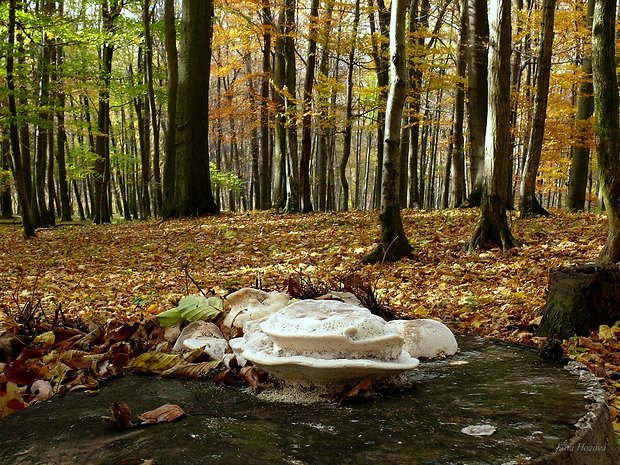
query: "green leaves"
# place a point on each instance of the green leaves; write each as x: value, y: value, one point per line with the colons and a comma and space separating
x: 192, y: 308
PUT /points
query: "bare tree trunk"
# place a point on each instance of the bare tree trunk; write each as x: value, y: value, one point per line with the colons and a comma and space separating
x: 19, y: 174
x: 606, y: 107
x: 492, y: 228
x: 478, y: 38
x: 265, y: 153
x: 528, y: 204
x: 393, y: 243
x: 168, y: 208
x: 348, y: 123
x: 458, y: 156
x: 580, y: 151
x: 382, y: 70
x: 306, y: 140
x: 148, y: 41
x: 279, y: 81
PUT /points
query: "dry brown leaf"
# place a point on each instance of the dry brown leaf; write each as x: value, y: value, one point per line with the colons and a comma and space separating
x: 164, y: 414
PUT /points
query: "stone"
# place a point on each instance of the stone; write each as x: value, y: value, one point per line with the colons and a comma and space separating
x: 425, y: 338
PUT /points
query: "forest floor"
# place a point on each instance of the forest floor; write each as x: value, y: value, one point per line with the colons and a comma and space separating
x: 128, y: 272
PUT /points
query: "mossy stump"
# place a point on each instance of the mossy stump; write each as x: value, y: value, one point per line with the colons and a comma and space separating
x: 580, y: 299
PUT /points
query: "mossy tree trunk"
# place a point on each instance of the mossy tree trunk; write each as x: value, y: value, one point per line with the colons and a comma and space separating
x: 607, y: 125
x: 393, y: 243
x: 580, y: 299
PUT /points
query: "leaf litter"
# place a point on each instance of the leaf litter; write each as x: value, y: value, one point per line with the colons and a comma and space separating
x: 80, y: 304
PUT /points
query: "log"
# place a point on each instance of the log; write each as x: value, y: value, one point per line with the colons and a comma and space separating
x: 580, y: 299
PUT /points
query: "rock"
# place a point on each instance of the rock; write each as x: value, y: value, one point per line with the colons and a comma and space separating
x: 426, y: 338
x: 252, y: 304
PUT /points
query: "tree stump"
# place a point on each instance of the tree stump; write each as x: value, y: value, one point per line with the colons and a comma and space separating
x: 580, y: 299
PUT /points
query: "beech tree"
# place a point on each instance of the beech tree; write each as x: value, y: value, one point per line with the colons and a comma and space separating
x: 492, y: 228
x: 528, y: 203
x: 606, y: 107
x: 393, y: 244
x: 580, y: 151
x: 193, y: 195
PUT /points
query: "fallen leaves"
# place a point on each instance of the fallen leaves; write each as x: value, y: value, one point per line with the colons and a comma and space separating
x: 113, y: 281
x: 121, y: 416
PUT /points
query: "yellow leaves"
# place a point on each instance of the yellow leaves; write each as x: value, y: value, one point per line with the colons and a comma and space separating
x: 607, y: 334
x: 10, y: 399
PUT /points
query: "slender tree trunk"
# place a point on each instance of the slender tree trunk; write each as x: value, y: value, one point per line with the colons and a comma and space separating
x: 478, y: 38
x: 393, y: 243
x: 580, y: 151
x: 348, y: 123
x: 101, y: 208
x: 279, y: 78
x: 528, y: 204
x: 61, y: 136
x: 382, y: 69
x: 148, y: 41
x: 492, y: 228
x: 323, y: 117
x: 606, y: 107
x: 18, y: 172
x: 265, y: 153
x: 306, y: 141
x: 458, y: 157
x: 168, y: 207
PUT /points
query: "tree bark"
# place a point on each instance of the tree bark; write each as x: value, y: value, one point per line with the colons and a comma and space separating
x: 18, y: 172
x: 279, y: 78
x: 458, y: 157
x: 580, y: 151
x: 168, y: 207
x: 607, y: 125
x: 528, y: 203
x: 150, y: 82
x: 477, y: 90
x: 580, y: 299
x: 393, y: 243
x: 193, y: 195
x: 265, y: 153
x: 492, y: 228
x: 348, y: 117
x: 379, y: 50
x: 306, y: 140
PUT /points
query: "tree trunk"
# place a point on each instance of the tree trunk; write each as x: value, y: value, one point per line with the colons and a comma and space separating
x: 528, y: 204
x: 393, y: 242
x: 101, y: 209
x: 458, y: 157
x: 379, y: 51
x: 477, y: 90
x: 148, y: 41
x: 265, y: 153
x: 579, y: 300
x: 279, y: 78
x: 18, y: 172
x: 607, y: 126
x: 168, y: 207
x: 348, y: 118
x: 578, y: 178
x: 193, y: 195
x: 306, y: 140
x: 61, y: 136
x: 492, y: 228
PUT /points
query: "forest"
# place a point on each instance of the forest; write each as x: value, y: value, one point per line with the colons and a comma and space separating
x: 152, y: 148
x: 296, y: 105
